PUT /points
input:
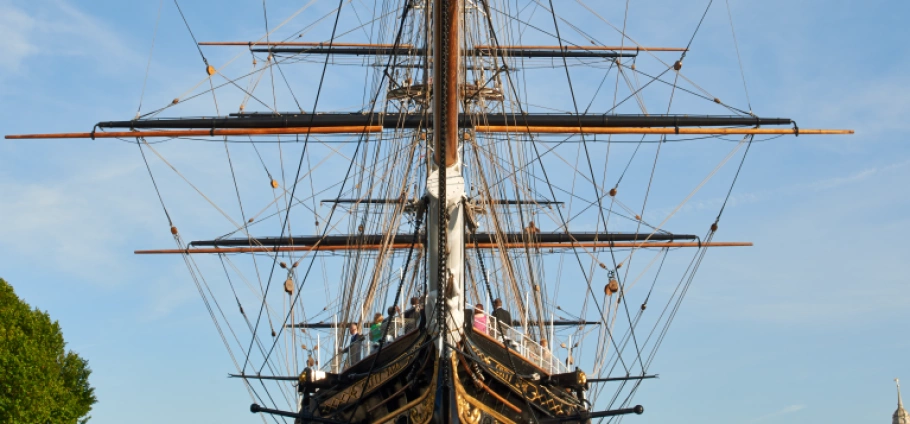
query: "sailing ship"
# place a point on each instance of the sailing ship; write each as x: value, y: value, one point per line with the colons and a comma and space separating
x: 448, y: 220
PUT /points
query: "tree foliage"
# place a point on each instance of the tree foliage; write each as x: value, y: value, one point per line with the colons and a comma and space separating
x: 40, y: 382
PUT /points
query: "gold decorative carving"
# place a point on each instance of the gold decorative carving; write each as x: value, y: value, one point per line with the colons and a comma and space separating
x: 467, y: 412
x: 419, y: 410
x: 469, y: 409
x: 423, y: 411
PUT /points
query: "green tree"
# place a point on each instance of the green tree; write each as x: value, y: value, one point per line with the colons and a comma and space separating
x: 40, y: 382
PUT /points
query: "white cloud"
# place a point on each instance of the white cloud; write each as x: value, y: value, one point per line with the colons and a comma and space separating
x: 824, y: 252
x: 857, y: 176
x: 875, y: 107
x: 60, y: 221
x: 169, y: 292
x: 16, y: 28
x: 61, y: 30
x: 798, y: 189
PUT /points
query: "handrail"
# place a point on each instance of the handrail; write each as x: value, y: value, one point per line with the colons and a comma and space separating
x: 523, y: 344
x: 354, y: 353
x: 520, y: 342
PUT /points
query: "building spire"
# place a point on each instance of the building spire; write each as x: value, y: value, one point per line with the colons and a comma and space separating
x: 900, y: 415
x: 900, y: 403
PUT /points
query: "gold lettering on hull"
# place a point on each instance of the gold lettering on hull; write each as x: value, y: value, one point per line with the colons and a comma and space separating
x: 539, y: 395
x: 354, y: 392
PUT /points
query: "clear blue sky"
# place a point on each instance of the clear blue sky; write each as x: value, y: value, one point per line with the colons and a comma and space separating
x: 807, y: 326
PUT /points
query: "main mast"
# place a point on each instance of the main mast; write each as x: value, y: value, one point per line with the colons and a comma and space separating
x: 470, y: 374
x: 445, y: 185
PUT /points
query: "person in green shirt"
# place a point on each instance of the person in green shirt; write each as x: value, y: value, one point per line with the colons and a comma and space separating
x: 376, y: 328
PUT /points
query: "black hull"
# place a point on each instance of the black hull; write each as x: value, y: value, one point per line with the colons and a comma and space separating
x: 409, y: 382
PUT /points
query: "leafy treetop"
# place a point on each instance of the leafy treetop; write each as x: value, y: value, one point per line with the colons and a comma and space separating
x: 40, y: 382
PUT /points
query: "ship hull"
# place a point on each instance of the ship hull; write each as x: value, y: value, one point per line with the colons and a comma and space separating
x: 410, y: 381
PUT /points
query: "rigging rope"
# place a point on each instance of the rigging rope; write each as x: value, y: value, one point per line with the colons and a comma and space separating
x: 296, y: 179
x: 546, y: 177
x: 347, y: 174
x: 735, y: 177
x: 697, y: 27
x: 499, y: 328
x: 593, y: 178
x: 148, y: 65
x: 699, y: 257
x: 442, y: 195
x: 420, y: 215
x: 739, y: 58
x: 196, y: 43
x: 188, y: 260
x: 170, y: 222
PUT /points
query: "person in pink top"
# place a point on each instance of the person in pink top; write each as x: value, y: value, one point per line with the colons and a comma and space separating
x: 480, y: 320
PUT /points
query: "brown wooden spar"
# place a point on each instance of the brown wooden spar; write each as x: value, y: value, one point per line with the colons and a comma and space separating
x: 445, y: 79
x: 300, y: 44
x: 620, y: 245
x: 645, y: 130
x: 590, y: 48
x: 399, y: 246
x: 407, y: 46
x: 450, y: 150
x: 268, y: 249
x: 205, y: 133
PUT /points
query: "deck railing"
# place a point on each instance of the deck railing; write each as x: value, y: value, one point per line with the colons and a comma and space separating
x: 520, y: 342
x: 517, y: 340
x: 354, y: 352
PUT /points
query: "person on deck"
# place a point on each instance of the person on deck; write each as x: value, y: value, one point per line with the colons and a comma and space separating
x: 355, y: 347
x: 480, y: 319
x: 394, y: 321
x: 501, y: 314
x: 410, y: 315
x: 376, y: 329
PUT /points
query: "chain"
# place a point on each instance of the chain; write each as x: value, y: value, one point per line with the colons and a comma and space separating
x: 442, y: 272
